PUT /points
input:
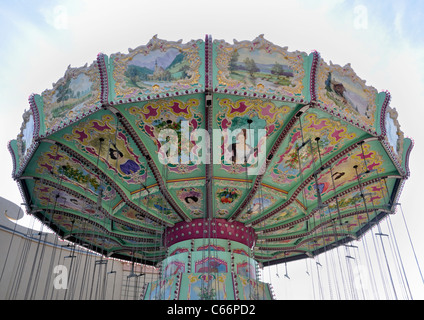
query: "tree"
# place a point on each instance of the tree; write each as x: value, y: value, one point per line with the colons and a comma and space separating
x: 233, y: 61
x: 251, y: 66
x: 277, y: 69
x: 184, y: 70
x: 133, y: 74
x: 63, y: 92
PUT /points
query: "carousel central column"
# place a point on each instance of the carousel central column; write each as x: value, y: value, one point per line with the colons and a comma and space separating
x: 202, y: 267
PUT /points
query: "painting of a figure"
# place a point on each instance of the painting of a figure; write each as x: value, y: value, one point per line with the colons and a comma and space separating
x: 158, y: 203
x: 118, y: 156
x: 70, y: 202
x: 192, y: 198
x: 345, y: 93
x: 259, y: 204
x: 80, y: 176
x: 126, y: 166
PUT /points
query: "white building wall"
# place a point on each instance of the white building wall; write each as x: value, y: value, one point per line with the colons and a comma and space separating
x: 39, y: 266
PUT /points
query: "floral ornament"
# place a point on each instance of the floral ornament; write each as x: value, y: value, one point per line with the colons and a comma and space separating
x: 227, y: 195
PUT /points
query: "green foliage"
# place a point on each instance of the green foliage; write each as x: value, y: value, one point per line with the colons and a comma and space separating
x: 206, y: 294
x: 79, y: 176
x: 178, y: 59
x: 233, y: 61
x: 251, y: 66
x: 228, y: 195
x: 137, y: 74
x: 64, y: 92
x: 277, y: 69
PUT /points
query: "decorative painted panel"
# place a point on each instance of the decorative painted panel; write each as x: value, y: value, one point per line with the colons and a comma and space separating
x: 105, y: 143
x: 249, y: 126
x: 72, y: 97
x: 343, y: 93
x: 333, y: 136
x: 250, y: 289
x: 181, y: 116
x: 158, y: 68
x: 260, y: 68
x: 201, y: 286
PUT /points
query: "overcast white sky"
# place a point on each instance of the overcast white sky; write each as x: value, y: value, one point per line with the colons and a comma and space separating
x: 383, y: 40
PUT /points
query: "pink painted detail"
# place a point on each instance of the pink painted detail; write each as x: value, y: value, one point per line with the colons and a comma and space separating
x: 242, y: 108
x: 54, y: 157
x: 342, y: 160
x: 152, y: 112
x: 336, y: 134
x: 92, y: 151
x: 319, y: 126
x: 266, y: 111
x: 44, y: 189
x: 361, y: 217
x: 225, y: 124
x: 295, y: 137
x: 211, y: 264
x: 48, y: 167
x: 123, y: 137
x: 194, y: 123
x: 178, y: 251
x: 328, y: 150
x: 372, y: 165
x: 149, y: 130
x: 81, y: 135
x: 176, y: 108
x: 234, y: 231
x: 365, y: 156
x: 241, y: 251
x: 174, y: 267
x: 98, y: 127
x: 211, y: 248
x: 45, y: 198
x: 374, y: 198
x: 270, y: 129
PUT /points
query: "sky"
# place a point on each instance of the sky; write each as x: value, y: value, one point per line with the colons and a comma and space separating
x: 383, y: 40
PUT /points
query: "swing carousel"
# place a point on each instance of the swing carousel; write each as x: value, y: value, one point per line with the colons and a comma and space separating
x: 210, y: 160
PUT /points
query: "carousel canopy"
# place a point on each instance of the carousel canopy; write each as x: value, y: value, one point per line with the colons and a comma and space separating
x: 121, y: 155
